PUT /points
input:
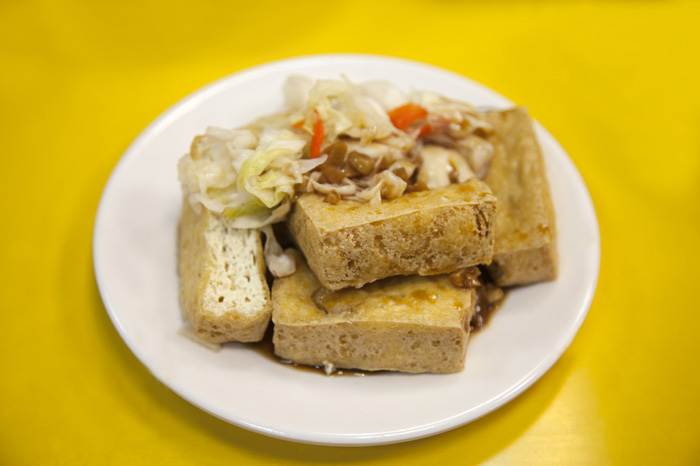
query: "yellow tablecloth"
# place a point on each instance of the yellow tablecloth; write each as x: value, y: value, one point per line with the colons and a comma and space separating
x: 615, y: 82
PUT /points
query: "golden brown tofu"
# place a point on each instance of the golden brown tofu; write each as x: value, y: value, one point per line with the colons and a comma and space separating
x: 525, y: 249
x: 409, y: 324
x: 223, y: 290
x: 426, y: 233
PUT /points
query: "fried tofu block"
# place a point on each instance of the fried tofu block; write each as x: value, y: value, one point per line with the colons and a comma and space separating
x: 223, y: 291
x: 426, y: 233
x: 409, y: 324
x: 525, y: 250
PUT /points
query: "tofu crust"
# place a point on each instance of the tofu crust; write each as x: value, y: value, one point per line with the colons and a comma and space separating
x: 431, y: 232
x: 525, y: 250
x: 410, y: 324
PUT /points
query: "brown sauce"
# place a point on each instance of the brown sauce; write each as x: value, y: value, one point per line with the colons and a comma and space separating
x: 483, y: 310
x: 489, y: 296
x: 265, y: 347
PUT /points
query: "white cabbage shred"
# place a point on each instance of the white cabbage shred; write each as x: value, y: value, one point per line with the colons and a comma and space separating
x: 277, y: 260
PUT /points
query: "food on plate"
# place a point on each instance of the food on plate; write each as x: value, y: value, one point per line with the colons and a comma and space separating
x: 409, y: 324
x: 425, y: 232
x: 402, y: 205
x: 525, y: 250
x: 223, y: 291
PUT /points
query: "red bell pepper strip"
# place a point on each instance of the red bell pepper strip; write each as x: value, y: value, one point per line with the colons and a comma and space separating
x: 317, y: 138
x: 404, y: 116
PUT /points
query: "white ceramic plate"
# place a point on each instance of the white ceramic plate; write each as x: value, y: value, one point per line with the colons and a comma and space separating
x: 134, y: 259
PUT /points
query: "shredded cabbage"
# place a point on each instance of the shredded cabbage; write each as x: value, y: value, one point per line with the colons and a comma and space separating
x: 435, y: 171
x: 249, y: 179
x: 271, y: 172
x: 278, y: 261
x: 442, y: 166
x: 345, y: 108
x: 251, y: 175
x: 385, y: 184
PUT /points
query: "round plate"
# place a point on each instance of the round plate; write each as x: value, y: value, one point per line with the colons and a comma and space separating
x: 134, y: 250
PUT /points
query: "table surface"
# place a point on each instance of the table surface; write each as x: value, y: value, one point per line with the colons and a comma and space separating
x: 615, y: 83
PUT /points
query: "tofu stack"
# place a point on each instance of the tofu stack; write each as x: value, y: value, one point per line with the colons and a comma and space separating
x: 341, y: 310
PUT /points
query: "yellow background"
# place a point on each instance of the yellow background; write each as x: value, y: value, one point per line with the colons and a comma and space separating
x: 615, y: 82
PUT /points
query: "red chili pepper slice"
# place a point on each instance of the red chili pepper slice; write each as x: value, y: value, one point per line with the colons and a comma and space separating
x: 317, y: 138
